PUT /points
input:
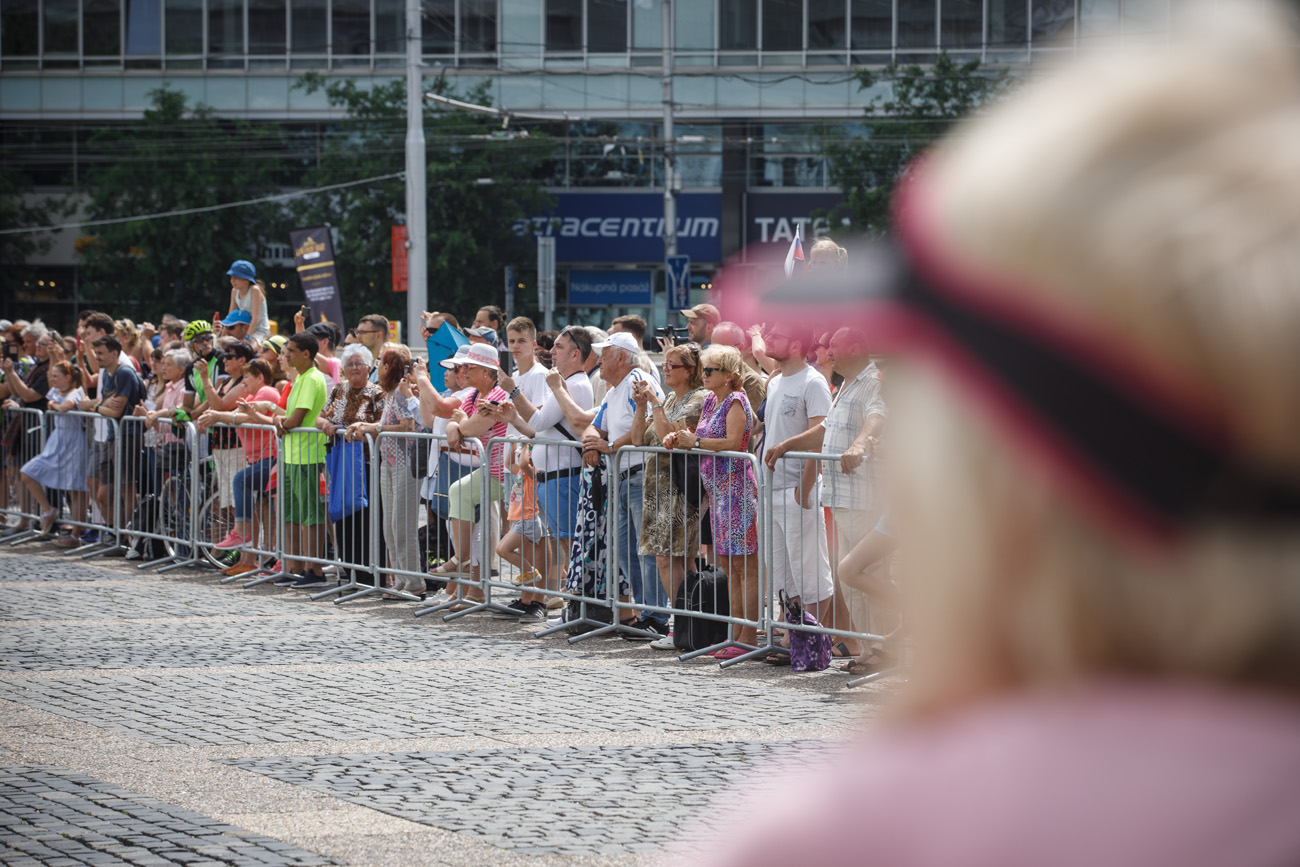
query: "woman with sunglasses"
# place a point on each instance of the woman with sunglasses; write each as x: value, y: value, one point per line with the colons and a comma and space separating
x: 726, y: 423
x: 670, y: 525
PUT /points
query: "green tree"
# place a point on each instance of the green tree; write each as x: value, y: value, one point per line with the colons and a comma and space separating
x: 481, y: 181
x: 176, y: 157
x: 917, y: 106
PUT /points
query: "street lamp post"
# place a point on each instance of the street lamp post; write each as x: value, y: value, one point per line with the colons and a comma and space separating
x: 417, y: 233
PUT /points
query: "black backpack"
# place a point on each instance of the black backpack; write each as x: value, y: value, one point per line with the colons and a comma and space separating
x: 704, y: 591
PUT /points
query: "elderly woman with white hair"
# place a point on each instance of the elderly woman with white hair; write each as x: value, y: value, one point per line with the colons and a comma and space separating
x: 355, y: 399
x: 1095, y: 477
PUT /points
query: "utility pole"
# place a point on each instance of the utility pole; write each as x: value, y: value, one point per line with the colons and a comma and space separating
x: 417, y: 233
x: 670, y: 169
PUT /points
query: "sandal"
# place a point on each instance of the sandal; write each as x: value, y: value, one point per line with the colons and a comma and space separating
x: 777, y: 659
x: 728, y: 653
x: 840, y: 650
x: 877, y: 661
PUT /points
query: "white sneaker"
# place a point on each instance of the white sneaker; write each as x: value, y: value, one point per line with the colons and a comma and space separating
x: 133, y: 553
x: 665, y: 643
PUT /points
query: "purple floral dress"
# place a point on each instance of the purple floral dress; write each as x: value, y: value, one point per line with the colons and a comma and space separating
x: 733, y: 493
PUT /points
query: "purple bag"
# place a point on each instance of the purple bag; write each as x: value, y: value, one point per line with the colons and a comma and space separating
x: 809, y: 651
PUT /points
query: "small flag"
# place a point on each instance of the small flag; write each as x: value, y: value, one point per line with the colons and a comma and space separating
x: 795, y: 254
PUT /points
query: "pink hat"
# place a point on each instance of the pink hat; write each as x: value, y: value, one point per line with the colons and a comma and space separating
x: 483, y: 355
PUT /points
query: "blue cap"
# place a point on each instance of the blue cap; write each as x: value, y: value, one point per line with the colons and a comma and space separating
x: 242, y: 268
x: 238, y: 317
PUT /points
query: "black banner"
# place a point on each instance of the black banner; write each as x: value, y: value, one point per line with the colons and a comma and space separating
x: 313, y: 256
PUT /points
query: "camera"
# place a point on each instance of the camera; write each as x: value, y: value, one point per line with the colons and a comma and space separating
x: 678, y: 334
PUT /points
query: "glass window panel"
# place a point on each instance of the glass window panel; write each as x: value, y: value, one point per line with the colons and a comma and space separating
x: 184, y: 26
x: 782, y: 25
x: 390, y: 26
x: 225, y: 27
x: 351, y: 27
x: 963, y: 23
x: 872, y: 24
x: 143, y: 27
x: 19, y: 21
x: 607, y: 25
x: 266, y: 27
x: 309, y: 26
x: 1053, y: 19
x: 739, y: 25
x: 693, y: 27
x: 1007, y: 24
x: 916, y: 24
x: 647, y: 24
x: 478, y: 26
x: 563, y: 25
x: 101, y: 27
x: 438, y: 26
x: 60, y: 27
x: 825, y: 24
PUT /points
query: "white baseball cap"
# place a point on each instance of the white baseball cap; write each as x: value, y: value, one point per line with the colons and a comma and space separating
x: 483, y: 355
x: 620, y: 340
x: 456, y: 360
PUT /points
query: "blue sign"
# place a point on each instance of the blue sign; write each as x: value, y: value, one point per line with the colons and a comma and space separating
x: 679, y: 282
x: 628, y: 227
x: 612, y: 288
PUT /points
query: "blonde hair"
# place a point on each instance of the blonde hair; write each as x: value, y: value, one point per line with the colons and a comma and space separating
x: 841, y: 255
x: 726, y: 358
x: 1154, y: 195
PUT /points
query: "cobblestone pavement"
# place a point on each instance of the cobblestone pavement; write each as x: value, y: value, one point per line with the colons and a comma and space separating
x: 150, y: 719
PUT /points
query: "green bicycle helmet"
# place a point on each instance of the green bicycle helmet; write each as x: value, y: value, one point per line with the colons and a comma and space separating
x: 194, y: 329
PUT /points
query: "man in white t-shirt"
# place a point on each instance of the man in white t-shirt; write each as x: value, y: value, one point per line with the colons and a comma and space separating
x: 610, y: 431
x: 562, y: 413
x: 798, y: 398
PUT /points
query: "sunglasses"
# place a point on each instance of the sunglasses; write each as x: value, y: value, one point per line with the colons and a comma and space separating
x: 709, y: 371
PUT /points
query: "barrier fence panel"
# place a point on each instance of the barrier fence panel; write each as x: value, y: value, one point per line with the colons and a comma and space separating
x: 698, y: 542
x: 155, y: 488
x: 354, y: 517
x: 104, y: 511
x: 240, y: 503
x: 301, y: 511
x: 553, y: 537
x: 22, y: 440
x: 819, y: 514
x: 454, y: 481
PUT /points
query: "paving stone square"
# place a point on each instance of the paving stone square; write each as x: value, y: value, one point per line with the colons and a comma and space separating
x: 50, y: 816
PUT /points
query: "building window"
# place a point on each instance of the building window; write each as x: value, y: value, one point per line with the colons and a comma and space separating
x: 607, y: 25
x: 101, y: 28
x: 916, y: 25
x: 351, y: 28
x: 225, y: 33
x: 266, y: 27
x: 963, y: 24
x: 19, y: 22
x: 782, y: 25
x: 478, y: 26
x: 738, y: 25
x: 563, y: 25
x: 310, y: 27
x: 143, y: 27
x: 871, y: 26
x: 60, y: 27
x: 438, y: 26
x: 826, y: 25
x: 390, y: 27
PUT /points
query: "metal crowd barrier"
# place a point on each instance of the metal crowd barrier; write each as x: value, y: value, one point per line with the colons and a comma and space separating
x: 104, y: 431
x: 214, y: 524
x: 157, y: 490
x: 26, y: 426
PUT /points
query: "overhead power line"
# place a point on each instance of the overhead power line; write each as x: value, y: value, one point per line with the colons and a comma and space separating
x: 271, y: 198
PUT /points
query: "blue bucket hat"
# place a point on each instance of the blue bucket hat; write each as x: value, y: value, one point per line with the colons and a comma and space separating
x: 243, y: 269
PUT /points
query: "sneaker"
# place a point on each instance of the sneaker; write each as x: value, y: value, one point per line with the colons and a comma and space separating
x: 646, y: 625
x: 232, y: 541
x: 89, y: 537
x: 512, y: 612
x: 286, y: 581
x: 309, y: 579
x: 665, y: 643
x: 133, y: 553
x: 534, y: 613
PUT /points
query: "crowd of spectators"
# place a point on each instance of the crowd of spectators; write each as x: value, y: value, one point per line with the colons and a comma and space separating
x: 582, y: 393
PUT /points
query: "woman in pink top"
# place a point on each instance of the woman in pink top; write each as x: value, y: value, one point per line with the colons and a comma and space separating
x: 1091, y: 299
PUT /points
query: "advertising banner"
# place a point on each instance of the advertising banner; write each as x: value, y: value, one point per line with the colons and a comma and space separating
x: 771, y: 219
x: 628, y: 227
x: 399, y: 259
x: 610, y: 288
x: 313, y: 257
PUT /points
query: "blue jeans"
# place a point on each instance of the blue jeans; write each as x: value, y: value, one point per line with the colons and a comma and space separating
x: 247, y: 484
x: 642, y: 572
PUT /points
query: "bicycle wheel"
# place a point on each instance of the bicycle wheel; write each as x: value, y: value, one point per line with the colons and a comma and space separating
x: 173, y: 516
x: 214, y: 524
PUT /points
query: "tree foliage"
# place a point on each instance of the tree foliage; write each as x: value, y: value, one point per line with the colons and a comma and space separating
x: 18, y: 209
x: 917, y: 106
x: 176, y: 157
x: 480, y: 183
